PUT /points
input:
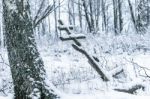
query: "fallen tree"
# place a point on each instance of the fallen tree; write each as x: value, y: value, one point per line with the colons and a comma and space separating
x: 92, y: 62
x: 132, y: 90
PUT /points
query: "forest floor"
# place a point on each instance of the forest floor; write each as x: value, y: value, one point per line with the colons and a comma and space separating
x: 69, y: 73
x: 72, y: 75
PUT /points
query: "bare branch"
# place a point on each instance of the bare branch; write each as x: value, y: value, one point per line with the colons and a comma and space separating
x: 39, y: 11
x: 47, y: 11
x: 145, y: 69
x: 3, y: 62
x: 41, y: 16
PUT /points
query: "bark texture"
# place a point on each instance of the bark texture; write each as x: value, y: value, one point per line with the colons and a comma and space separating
x: 27, y: 67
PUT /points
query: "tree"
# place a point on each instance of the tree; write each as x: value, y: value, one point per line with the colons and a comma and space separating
x: 143, y: 16
x: 27, y: 67
x: 118, y: 20
x: 80, y: 13
x: 120, y: 15
x: 132, y: 15
x: 103, y: 14
x: 141, y: 20
x: 91, y: 15
x: 97, y: 13
x: 55, y: 17
x: 115, y: 17
x: 86, y: 15
x: 71, y: 12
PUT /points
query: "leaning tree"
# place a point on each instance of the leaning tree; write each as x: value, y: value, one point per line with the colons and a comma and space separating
x: 27, y: 67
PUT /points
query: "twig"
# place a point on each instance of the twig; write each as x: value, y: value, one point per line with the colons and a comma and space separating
x: 142, y: 67
x: 3, y: 62
x: 38, y: 18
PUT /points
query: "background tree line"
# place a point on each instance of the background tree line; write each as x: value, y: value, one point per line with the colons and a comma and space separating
x: 109, y: 16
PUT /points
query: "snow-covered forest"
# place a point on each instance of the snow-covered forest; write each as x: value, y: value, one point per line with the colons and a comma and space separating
x: 74, y: 49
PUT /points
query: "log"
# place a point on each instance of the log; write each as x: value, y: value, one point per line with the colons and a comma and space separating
x: 92, y: 63
x: 71, y: 38
x: 91, y: 59
x: 61, y: 23
x: 64, y: 29
x: 96, y: 59
x: 68, y: 32
x: 117, y: 73
x: 131, y: 90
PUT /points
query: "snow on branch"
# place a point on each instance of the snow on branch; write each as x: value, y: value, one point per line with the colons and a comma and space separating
x: 132, y: 90
x: 71, y: 38
x: 116, y: 71
x: 93, y: 63
x: 63, y: 27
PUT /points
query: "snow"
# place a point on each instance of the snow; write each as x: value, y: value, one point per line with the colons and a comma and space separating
x: 80, y: 88
x: 104, y: 95
x: 6, y: 97
x: 95, y: 95
x: 73, y: 77
x: 68, y: 72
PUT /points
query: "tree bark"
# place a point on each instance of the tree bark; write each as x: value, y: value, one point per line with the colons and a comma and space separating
x: 80, y: 12
x: 97, y: 14
x: 91, y: 15
x: 92, y: 62
x: 86, y: 15
x: 103, y: 15
x: 120, y: 15
x: 55, y: 17
x: 115, y: 17
x: 132, y: 15
x: 27, y: 67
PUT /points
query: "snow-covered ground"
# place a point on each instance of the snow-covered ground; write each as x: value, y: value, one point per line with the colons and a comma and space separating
x: 70, y: 74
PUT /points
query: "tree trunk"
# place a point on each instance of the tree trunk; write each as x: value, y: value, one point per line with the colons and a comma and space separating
x: 86, y: 15
x: 115, y: 17
x: 27, y: 67
x: 69, y: 13
x: 132, y: 15
x: 73, y: 12
x: 91, y: 15
x: 103, y: 15
x: 80, y: 13
x: 97, y: 14
x: 55, y: 17
x: 120, y: 15
x: 142, y: 20
x: 148, y: 12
